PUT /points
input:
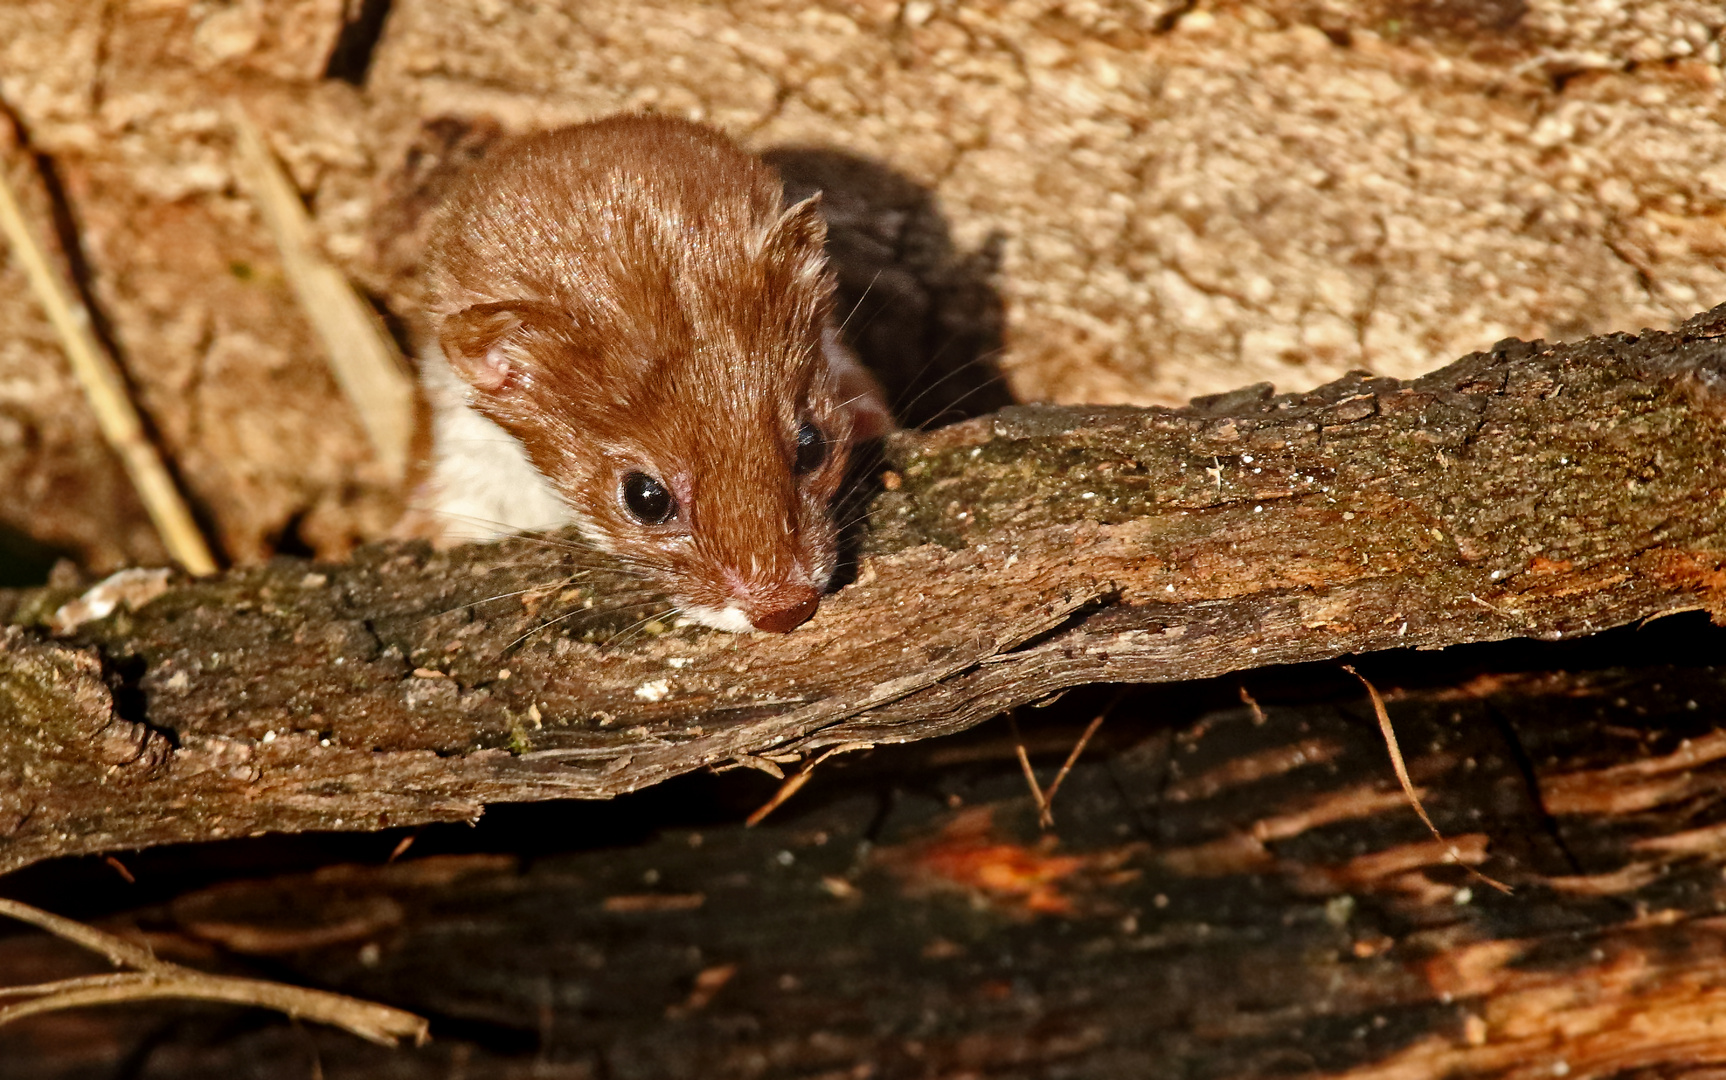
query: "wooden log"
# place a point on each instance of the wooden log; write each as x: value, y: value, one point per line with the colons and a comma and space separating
x: 1530, y: 491
x: 1231, y: 890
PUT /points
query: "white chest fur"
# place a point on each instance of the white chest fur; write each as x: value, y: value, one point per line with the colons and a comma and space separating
x: 482, y: 484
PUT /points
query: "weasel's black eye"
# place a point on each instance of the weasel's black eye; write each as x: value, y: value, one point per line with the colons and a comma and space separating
x: 811, y: 448
x: 647, y: 500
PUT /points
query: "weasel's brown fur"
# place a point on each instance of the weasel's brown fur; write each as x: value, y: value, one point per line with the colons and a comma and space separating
x: 630, y: 295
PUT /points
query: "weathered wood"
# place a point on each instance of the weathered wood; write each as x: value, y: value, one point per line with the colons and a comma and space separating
x: 1226, y: 894
x: 1529, y: 491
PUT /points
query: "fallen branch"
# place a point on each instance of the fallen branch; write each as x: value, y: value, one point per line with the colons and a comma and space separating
x: 1525, y: 492
x: 157, y: 979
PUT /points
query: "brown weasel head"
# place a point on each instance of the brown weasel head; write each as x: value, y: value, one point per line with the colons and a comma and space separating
x: 630, y: 300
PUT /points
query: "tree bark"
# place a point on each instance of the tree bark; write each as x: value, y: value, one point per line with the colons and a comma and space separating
x: 1530, y: 491
x: 1230, y: 890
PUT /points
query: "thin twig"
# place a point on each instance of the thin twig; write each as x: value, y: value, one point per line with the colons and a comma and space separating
x: 1078, y: 748
x: 105, y: 388
x: 1044, y: 819
x: 1401, y: 769
x: 119, y: 951
x: 157, y: 979
x: 54, y: 987
x: 795, y: 784
x: 375, y: 1023
x: 361, y: 354
x: 1253, y: 703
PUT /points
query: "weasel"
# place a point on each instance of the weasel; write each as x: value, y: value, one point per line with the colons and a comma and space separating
x: 634, y: 336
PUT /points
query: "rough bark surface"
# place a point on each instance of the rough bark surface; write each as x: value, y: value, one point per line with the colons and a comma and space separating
x: 1120, y: 201
x: 1526, y: 492
x: 1229, y: 892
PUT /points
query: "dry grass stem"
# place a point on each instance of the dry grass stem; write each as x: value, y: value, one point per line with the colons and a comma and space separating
x: 1044, y: 819
x: 361, y: 354
x: 105, y: 387
x: 1079, y: 748
x: 1046, y: 799
x: 1253, y: 703
x: 158, y: 979
x: 1397, y: 764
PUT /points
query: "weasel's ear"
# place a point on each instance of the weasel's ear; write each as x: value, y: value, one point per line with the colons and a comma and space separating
x: 795, y: 245
x: 486, y: 343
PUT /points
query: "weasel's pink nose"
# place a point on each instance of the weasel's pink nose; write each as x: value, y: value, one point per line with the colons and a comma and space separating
x: 786, y: 610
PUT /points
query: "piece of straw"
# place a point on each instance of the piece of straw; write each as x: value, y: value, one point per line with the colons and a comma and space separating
x: 1399, y: 767
x: 105, y: 387
x: 361, y: 354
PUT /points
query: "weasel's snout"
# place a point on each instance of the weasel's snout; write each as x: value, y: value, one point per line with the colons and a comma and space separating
x: 782, y: 610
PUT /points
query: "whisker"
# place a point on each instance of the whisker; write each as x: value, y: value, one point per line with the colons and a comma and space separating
x: 934, y: 361
x: 504, y: 530
x: 548, y: 559
x: 544, y: 572
x: 623, y: 637
x: 878, y: 311
x: 859, y: 518
x: 952, y: 373
x: 542, y: 626
x: 645, y: 594
x: 853, y: 397
x: 571, y: 580
x: 544, y: 539
x: 951, y: 412
x: 864, y: 295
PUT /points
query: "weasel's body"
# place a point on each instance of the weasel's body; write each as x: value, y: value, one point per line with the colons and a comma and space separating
x: 635, y: 337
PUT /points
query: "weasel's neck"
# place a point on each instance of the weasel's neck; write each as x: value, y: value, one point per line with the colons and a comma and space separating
x: 481, y: 483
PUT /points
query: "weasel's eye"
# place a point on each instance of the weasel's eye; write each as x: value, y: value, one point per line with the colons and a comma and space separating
x: 647, y: 500
x: 811, y: 448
